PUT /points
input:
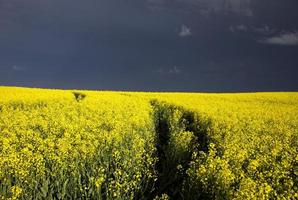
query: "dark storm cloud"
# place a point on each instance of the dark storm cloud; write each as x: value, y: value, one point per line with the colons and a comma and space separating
x: 189, y: 45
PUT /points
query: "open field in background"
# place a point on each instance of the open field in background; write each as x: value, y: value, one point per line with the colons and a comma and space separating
x: 66, y: 144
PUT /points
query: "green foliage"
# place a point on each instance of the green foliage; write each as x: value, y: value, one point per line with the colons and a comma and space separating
x: 79, y: 96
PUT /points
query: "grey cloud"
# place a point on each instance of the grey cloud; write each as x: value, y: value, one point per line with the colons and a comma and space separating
x: 185, y: 31
x: 175, y: 70
x: 240, y: 27
x: 286, y: 38
x: 260, y: 30
x: 265, y: 30
x: 270, y: 35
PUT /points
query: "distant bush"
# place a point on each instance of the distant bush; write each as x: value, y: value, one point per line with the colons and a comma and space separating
x: 79, y: 96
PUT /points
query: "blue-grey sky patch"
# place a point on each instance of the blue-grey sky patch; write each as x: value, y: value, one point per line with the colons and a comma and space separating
x: 175, y: 70
x: 17, y: 68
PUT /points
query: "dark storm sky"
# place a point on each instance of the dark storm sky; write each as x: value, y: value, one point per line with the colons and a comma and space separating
x: 150, y: 45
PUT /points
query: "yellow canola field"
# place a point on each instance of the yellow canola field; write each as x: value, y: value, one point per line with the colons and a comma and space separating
x: 57, y: 148
x: 252, y: 145
x: 57, y: 144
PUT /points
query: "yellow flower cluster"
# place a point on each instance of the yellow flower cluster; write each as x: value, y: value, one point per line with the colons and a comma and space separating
x: 57, y: 144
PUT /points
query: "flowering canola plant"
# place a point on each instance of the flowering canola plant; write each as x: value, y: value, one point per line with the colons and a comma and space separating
x: 251, y: 145
x: 52, y: 146
x: 62, y: 144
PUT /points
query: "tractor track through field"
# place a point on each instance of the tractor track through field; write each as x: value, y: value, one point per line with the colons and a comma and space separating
x: 171, y: 167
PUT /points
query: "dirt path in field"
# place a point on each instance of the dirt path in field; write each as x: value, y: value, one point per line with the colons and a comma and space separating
x: 172, y: 173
